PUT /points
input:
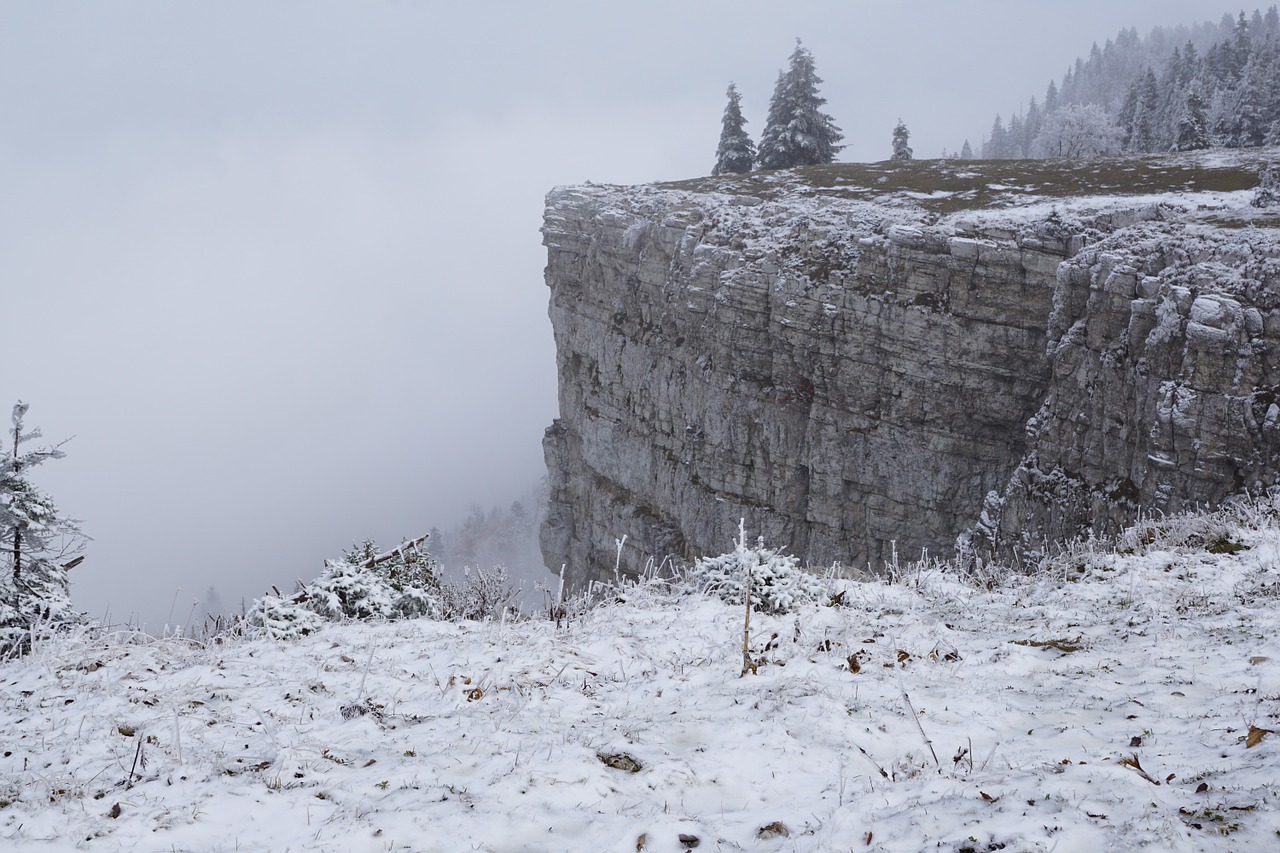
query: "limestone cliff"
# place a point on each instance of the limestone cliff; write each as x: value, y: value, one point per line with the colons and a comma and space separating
x: 850, y: 357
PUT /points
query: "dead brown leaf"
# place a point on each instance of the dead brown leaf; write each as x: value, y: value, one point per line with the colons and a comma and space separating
x: 1255, y: 736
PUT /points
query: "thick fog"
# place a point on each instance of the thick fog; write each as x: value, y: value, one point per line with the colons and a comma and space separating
x: 276, y: 265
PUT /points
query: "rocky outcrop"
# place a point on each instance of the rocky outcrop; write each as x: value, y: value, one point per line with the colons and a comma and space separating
x: 854, y: 368
x: 1164, y: 355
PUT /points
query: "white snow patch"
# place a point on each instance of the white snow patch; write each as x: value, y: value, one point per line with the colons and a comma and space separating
x: 1105, y: 703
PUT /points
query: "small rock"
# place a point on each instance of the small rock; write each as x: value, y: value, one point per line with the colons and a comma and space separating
x: 689, y: 841
x: 777, y: 829
x: 621, y: 761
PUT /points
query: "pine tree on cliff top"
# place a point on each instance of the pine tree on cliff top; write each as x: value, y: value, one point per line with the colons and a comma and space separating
x: 797, y: 132
x: 736, y: 153
x: 901, y: 136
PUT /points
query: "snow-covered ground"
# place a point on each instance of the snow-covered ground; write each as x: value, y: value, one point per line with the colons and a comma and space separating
x: 1110, y: 702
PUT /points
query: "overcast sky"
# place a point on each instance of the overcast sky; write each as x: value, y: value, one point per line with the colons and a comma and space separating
x: 276, y: 265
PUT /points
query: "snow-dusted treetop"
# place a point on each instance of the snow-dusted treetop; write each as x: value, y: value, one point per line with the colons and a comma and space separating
x: 797, y: 132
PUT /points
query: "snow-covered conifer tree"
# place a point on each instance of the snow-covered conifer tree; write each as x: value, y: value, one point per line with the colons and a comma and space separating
x: 901, y: 136
x: 997, y: 146
x: 1013, y: 139
x: 736, y: 152
x: 1193, y: 125
x: 1031, y: 128
x: 797, y: 132
x: 37, y: 542
x: 1139, y: 115
x: 1268, y: 192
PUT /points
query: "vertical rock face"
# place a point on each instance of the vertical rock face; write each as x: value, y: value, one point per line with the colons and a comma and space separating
x: 853, y: 376
x: 1165, y: 362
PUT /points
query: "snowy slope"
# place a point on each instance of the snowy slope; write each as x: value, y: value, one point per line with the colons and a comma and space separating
x: 1104, y: 704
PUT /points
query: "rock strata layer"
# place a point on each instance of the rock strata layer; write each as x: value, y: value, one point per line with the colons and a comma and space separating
x: 862, y: 376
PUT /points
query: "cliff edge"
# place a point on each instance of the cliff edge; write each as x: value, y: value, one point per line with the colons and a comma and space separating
x: 863, y: 358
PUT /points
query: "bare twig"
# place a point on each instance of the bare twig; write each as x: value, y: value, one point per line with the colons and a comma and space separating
x: 368, y: 663
x: 1136, y: 765
x: 990, y: 755
x: 867, y: 756
x: 747, y: 665
x: 915, y: 716
x: 177, y: 734
x: 137, y: 754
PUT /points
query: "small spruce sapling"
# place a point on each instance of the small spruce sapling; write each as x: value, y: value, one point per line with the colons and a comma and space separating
x: 773, y: 582
x: 39, y: 543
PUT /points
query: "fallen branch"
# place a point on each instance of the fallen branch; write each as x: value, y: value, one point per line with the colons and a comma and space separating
x: 394, y: 552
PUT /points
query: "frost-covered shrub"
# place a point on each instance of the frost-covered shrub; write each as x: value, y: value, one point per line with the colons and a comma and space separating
x: 1212, y: 531
x: 484, y: 594
x: 778, y: 583
x: 407, y: 583
x: 400, y: 584
x: 284, y: 618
